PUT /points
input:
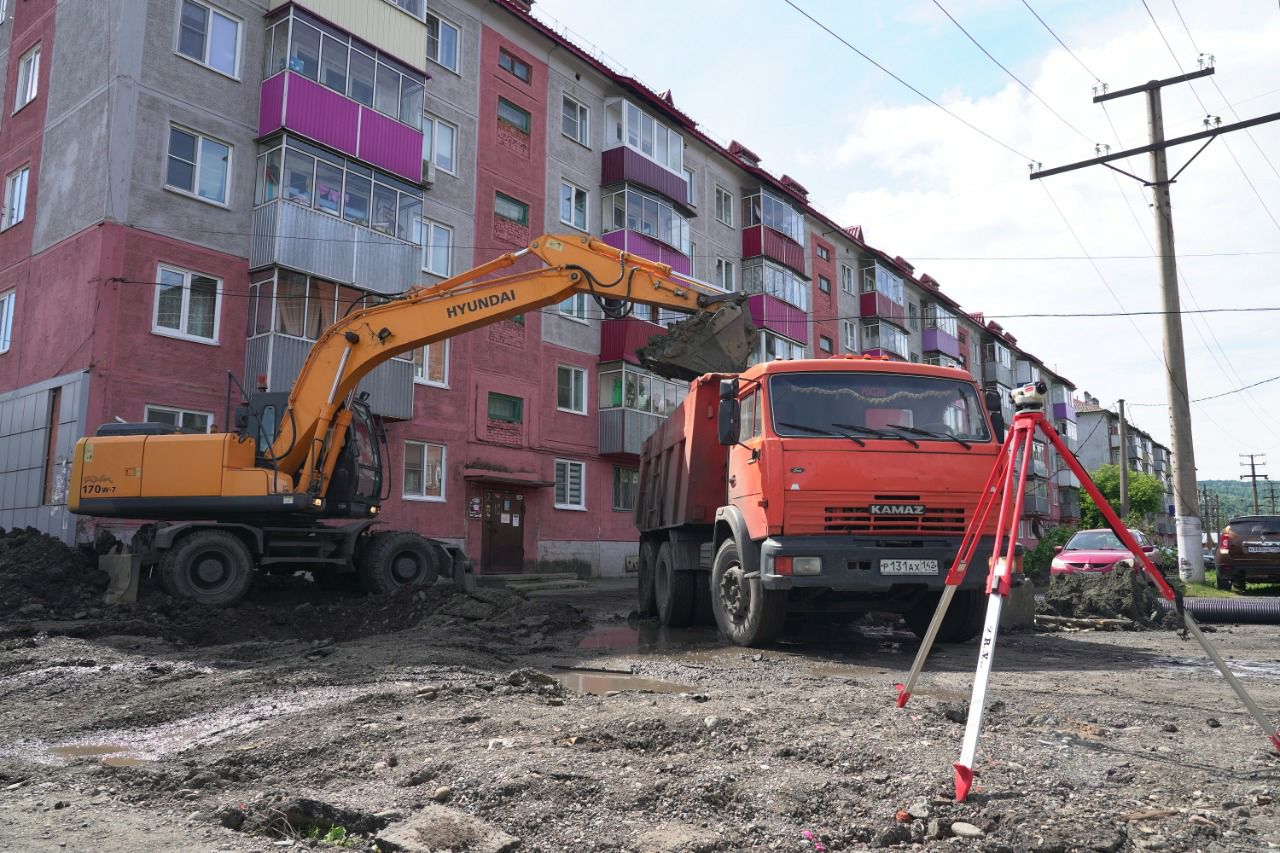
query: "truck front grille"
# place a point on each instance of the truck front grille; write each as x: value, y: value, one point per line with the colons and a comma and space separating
x: 814, y: 515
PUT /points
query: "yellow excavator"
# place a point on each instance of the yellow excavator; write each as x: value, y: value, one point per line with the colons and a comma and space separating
x: 270, y: 496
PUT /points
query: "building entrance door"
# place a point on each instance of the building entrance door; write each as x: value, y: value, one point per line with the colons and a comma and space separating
x: 502, y: 550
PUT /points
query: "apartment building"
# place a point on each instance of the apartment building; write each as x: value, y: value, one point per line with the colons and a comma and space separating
x: 1100, y: 445
x: 227, y: 177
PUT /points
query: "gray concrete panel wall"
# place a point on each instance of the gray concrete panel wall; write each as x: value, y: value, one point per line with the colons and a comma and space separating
x: 607, y: 559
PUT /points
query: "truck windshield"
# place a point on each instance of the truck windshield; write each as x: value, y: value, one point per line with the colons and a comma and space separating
x: 879, y: 402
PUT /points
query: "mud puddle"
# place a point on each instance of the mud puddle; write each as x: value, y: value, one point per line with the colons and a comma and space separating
x: 600, y: 683
x: 111, y: 754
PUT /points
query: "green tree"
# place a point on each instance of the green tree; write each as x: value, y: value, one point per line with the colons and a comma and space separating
x: 1146, y: 495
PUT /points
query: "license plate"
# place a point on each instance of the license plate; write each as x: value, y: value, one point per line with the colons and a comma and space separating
x: 1261, y: 548
x: 908, y: 567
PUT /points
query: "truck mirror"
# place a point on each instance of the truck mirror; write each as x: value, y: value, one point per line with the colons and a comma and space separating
x: 996, y: 410
x: 993, y: 401
x: 728, y: 389
x: 727, y: 420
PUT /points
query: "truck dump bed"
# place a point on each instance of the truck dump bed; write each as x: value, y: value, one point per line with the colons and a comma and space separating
x: 683, y: 466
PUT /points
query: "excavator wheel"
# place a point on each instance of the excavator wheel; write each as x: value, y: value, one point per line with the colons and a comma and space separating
x: 210, y: 567
x: 396, y: 560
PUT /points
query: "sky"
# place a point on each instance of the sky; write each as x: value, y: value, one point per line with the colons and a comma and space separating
x: 962, y: 208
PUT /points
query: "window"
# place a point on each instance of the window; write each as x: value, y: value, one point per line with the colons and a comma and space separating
x: 423, y: 471
x: 209, y: 37
x: 877, y: 278
x: 505, y: 408
x: 641, y: 391
x: 28, y: 78
x: 198, y: 165
x: 937, y: 317
x: 824, y: 284
x: 437, y: 248
x: 570, y: 486
x: 913, y: 312
x: 759, y: 276
x: 849, y: 331
x: 438, y: 141
x: 824, y: 253
x: 575, y: 121
x: 185, y: 420
x: 884, y: 337
x: 442, y: 42
x: 571, y: 389
x: 846, y: 278
x: 824, y: 344
x: 724, y: 274
x: 767, y: 209
x: 724, y: 206
x: 413, y: 7
x: 573, y: 205
x: 431, y: 364
x: 515, y: 116
x: 514, y: 66
x: 508, y: 208
x: 6, y: 319
x: 914, y: 358
x: 648, y: 214
x: 15, y: 198
x: 773, y: 347
x: 749, y: 422
x: 187, y: 305
x: 690, y: 196
x: 626, y: 124
x: 575, y: 306
x: 626, y: 481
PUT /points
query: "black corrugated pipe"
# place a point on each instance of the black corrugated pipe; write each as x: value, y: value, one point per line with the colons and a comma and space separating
x: 1262, y: 611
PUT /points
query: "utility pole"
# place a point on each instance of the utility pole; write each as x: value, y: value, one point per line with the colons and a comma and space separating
x: 1124, y: 463
x: 1253, y: 475
x: 1190, y: 565
x: 1271, y: 495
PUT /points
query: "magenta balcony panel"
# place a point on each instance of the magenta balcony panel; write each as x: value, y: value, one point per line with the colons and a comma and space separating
x: 271, y: 105
x: 647, y: 247
x: 619, y: 339
x: 763, y: 240
x: 1064, y: 412
x: 936, y: 340
x: 768, y: 312
x: 623, y: 164
x: 322, y: 114
x: 390, y: 145
x: 876, y: 304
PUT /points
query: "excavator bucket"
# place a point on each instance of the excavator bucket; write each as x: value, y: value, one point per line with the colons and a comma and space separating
x: 720, y: 342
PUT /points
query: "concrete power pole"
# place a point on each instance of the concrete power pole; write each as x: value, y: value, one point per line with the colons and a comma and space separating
x: 1271, y: 496
x: 1253, y: 464
x: 1190, y: 565
x: 1124, y: 462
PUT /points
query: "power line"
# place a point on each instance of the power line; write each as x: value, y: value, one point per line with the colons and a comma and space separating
x: 849, y: 45
x: 1239, y: 390
x: 1061, y: 42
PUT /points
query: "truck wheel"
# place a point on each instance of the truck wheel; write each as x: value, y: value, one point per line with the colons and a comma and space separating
x: 746, y: 612
x: 396, y: 560
x: 646, y: 602
x: 962, y: 622
x: 673, y: 591
x: 1222, y: 581
x: 210, y: 567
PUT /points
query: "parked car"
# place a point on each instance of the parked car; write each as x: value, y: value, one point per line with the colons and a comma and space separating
x: 1095, y: 551
x: 1249, y: 550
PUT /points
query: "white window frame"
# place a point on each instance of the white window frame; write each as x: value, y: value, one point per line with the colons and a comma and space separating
x: 727, y: 209
x: 423, y: 379
x: 849, y: 335
x: 208, y: 37
x: 177, y: 415
x: 194, y: 191
x: 185, y: 317
x: 574, y: 308
x: 28, y: 78
x: 824, y: 253
x: 567, y: 465
x: 399, y: 5
x: 690, y: 182
x: 457, y: 40
x: 830, y: 350
x: 583, y: 119
x: 724, y: 265
x: 578, y: 375
x: 429, y: 229
x: 434, y: 137
x: 15, y: 197
x: 848, y: 284
x: 8, y: 301
x: 444, y: 480
x: 586, y: 205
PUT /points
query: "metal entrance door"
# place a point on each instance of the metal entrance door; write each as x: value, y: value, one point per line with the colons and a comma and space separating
x: 503, y: 548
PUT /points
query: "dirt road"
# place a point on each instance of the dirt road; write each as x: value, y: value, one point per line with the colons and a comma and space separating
x: 450, y: 722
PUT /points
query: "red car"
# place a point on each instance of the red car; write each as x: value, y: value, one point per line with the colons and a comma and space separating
x: 1094, y: 551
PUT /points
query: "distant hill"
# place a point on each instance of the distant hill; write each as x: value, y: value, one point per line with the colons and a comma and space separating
x: 1235, y: 497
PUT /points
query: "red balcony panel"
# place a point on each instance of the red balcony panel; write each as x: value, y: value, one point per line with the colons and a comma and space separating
x: 647, y: 247
x: 623, y: 164
x: 619, y: 339
x: 876, y: 304
x: 763, y: 240
x: 771, y: 313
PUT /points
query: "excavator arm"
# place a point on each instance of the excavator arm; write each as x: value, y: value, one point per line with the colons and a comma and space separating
x: 315, y: 426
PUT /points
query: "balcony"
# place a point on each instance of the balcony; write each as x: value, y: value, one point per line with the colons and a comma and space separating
x: 1069, y: 505
x: 280, y: 357
x: 306, y: 240
x: 939, y: 341
x: 622, y: 164
x: 1028, y: 372
x: 1066, y: 480
x: 1002, y: 374
x: 633, y: 403
x: 1064, y: 412
x: 293, y: 102
x: 761, y: 240
x: 768, y: 312
x: 647, y: 247
x: 619, y: 339
x: 1033, y: 504
x: 401, y: 33
x: 875, y: 304
x: 624, y: 431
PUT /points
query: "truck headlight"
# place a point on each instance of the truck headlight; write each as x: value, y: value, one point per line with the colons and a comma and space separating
x: 806, y: 565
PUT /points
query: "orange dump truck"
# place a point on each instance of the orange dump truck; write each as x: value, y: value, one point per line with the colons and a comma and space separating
x: 833, y: 486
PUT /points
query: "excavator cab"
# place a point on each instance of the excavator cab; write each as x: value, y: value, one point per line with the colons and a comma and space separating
x: 356, y: 488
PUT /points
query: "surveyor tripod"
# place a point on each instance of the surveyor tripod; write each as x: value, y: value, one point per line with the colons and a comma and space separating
x: 1012, y: 464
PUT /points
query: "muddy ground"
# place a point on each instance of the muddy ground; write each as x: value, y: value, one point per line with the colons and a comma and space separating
x: 493, y: 722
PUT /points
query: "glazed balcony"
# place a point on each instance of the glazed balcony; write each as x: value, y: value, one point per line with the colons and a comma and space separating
x: 633, y: 403
x: 402, y: 31
x: 761, y: 240
x: 769, y: 312
x: 279, y: 358
x: 623, y: 164
x: 939, y: 341
x: 647, y: 247
x: 1069, y: 505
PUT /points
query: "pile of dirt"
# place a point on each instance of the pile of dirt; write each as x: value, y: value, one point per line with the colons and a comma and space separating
x: 41, y: 576
x: 704, y: 343
x: 1119, y: 594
